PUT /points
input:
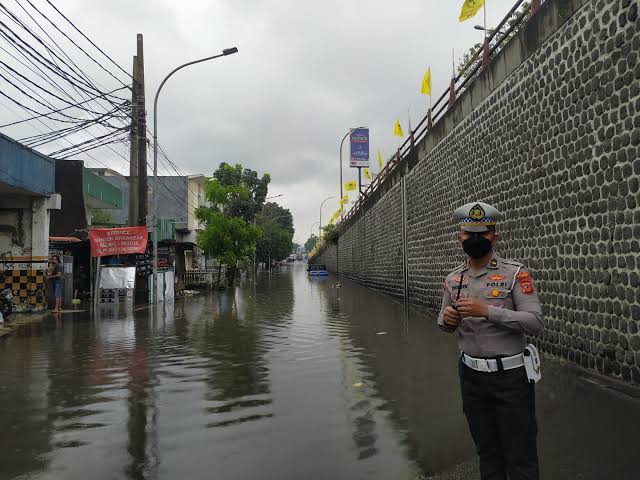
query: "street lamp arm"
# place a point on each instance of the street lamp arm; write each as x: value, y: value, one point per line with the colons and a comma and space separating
x: 226, y: 51
x: 155, y: 100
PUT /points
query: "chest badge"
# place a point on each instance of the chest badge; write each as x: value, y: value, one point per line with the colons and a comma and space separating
x: 495, y: 292
x: 497, y: 277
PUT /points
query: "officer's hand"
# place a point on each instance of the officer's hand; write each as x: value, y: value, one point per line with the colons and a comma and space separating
x: 472, y: 307
x: 451, y: 318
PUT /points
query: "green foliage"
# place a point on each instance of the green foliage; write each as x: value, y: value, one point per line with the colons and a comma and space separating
x: 101, y: 217
x: 229, y: 239
x: 310, y: 243
x: 470, y: 58
x: 331, y: 233
x: 276, y: 224
x: 249, y: 192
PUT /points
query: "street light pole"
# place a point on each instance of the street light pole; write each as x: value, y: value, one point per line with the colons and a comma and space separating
x: 321, y: 205
x: 154, y: 224
x: 311, y: 228
x: 341, y: 143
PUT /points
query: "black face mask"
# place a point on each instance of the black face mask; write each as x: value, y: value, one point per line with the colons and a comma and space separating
x: 476, y: 246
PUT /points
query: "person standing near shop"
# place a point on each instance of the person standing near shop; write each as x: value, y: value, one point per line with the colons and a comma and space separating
x: 490, y: 304
x: 56, y: 282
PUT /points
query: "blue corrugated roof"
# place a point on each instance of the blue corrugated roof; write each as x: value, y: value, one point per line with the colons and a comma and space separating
x: 25, y: 168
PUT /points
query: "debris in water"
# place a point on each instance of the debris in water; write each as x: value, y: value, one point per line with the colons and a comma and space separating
x: 358, y: 384
x: 381, y: 333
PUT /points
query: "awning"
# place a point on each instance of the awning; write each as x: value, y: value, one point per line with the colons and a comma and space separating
x: 65, y: 239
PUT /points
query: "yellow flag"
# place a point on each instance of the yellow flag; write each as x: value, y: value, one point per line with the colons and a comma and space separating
x: 380, y: 162
x: 426, y: 83
x: 470, y: 8
x: 344, y: 199
x: 397, y: 129
x: 350, y: 186
x: 367, y: 174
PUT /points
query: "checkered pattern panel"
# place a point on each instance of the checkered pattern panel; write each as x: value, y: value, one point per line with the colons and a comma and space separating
x: 28, y: 288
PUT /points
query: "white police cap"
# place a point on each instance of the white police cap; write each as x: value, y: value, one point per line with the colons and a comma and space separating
x: 477, y: 216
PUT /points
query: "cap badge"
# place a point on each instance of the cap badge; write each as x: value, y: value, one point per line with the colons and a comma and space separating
x: 477, y: 212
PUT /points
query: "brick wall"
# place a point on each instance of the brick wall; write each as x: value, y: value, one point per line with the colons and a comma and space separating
x: 550, y: 135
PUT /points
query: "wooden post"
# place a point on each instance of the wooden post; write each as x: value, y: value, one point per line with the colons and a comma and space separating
x: 141, y: 124
x: 133, y: 152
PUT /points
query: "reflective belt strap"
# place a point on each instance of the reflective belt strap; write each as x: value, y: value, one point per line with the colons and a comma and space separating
x: 492, y: 364
x: 515, y: 277
x: 513, y: 284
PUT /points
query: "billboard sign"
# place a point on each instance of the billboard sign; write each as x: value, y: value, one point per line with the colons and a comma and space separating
x: 359, y: 147
x: 118, y: 241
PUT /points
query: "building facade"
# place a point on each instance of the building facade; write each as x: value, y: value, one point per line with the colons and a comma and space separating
x: 178, y: 199
x: 27, y: 196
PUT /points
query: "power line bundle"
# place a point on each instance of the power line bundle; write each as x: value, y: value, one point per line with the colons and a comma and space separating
x: 46, y: 84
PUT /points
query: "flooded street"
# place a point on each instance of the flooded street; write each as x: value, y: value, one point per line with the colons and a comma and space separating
x: 288, y: 378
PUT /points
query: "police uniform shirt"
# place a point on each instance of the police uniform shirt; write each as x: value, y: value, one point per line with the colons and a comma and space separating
x: 514, y: 308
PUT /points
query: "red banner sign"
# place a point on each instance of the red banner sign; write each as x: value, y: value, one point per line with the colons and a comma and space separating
x: 118, y: 241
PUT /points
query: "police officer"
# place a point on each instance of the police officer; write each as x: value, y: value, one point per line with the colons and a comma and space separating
x: 490, y: 303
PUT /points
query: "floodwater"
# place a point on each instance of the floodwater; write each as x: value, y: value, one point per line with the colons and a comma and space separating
x: 287, y: 378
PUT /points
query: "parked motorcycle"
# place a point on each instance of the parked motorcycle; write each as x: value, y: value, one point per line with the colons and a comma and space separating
x: 6, y: 303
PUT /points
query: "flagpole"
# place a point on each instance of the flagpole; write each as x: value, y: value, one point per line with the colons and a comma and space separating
x: 485, y: 19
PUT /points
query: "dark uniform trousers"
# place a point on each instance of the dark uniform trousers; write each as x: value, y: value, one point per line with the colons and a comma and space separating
x: 500, y: 410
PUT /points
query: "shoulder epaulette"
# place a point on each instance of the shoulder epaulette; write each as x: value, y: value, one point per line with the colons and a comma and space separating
x: 512, y: 262
x: 458, y: 268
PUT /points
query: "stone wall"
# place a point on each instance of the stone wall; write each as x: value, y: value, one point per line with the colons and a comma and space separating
x: 550, y: 135
x: 370, y: 251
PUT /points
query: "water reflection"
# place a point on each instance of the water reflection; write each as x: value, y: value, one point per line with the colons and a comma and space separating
x: 286, y: 378
x: 396, y: 349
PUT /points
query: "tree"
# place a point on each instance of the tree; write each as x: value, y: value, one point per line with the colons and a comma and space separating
x: 474, y: 54
x: 331, y: 233
x: 229, y: 239
x: 276, y: 224
x: 101, y: 217
x: 310, y: 243
x: 249, y: 193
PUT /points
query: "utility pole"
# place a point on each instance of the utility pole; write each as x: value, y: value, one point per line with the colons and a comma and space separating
x: 133, y: 152
x: 141, y: 111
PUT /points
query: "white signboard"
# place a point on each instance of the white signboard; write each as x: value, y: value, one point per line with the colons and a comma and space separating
x: 117, y: 277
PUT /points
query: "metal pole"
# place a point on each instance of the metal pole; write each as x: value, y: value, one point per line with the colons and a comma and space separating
x: 321, y: 205
x: 154, y: 288
x: 311, y: 228
x: 255, y: 255
x: 485, y: 18
x: 341, y: 143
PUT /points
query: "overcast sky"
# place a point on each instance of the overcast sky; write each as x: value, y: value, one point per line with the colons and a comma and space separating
x: 305, y: 73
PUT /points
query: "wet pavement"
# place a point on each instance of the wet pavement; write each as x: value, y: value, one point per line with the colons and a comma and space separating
x: 288, y: 378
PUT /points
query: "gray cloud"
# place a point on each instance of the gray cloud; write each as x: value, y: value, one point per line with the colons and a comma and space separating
x: 306, y: 72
